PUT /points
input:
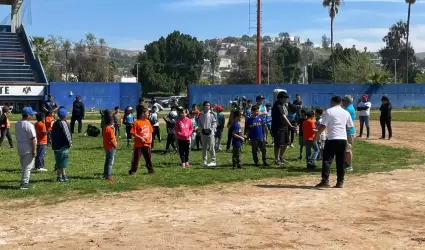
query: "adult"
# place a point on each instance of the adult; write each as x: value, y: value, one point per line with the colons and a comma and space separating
x: 207, y: 123
x: 26, y: 142
x: 158, y: 106
x: 78, y: 113
x: 142, y: 105
x: 364, y: 107
x: 385, y: 118
x: 233, y: 111
x: 298, y: 102
x: 337, y: 121
x: 280, y: 127
x: 50, y: 105
x: 347, y: 103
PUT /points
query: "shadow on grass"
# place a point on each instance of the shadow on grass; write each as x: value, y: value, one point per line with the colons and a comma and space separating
x: 34, y: 181
x: 4, y: 187
x: 289, y: 187
x: 10, y: 170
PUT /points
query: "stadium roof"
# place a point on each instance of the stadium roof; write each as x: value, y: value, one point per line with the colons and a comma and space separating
x: 10, y: 2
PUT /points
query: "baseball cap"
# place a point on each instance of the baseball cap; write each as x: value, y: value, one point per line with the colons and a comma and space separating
x: 62, y: 113
x: 282, y: 95
x: 28, y: 111
x: 219, y: 108
x: 348, y: 99
x: 173, y: 113
x: 259, y: 97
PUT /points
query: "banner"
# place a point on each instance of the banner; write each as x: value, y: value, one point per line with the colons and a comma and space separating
x: 21, y: 90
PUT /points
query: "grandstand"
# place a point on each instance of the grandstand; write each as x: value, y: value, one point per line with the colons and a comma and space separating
x: 22, y: 78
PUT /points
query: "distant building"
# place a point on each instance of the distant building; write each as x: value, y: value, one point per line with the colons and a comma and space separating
x: 225, y: 63
x: 128, y: 79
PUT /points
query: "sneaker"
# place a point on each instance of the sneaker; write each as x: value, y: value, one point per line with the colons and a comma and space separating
x: 187, y: 164
x: 110, y: 179
x: 389, y: 138
x: 339, y: 185
x: 65, y: 178
x: 204, y: 163
x: 42, y: 169
x: 382, y: 138
x: 183, y: 165
x: 24, y: 186
x: 291, y: 146
x: 278, y: 163
x: 300, y: 158
x: 323, y: 184
x: 59, y: 179
x: 283, y: 160
x: 348, y: 168
x: 265, y: 164
x: 130, y: 172
x: 212, y: 164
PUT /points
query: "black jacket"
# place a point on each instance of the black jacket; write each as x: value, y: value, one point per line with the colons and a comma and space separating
x: 386, y: 110
x: 78, y: 109
x: 61, y: 135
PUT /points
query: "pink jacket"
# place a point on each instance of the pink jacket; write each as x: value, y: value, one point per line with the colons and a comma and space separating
x: 184, y: 129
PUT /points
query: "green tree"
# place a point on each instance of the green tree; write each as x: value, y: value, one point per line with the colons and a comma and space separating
x: 266, y: 39
x: 287, y: 59
x: 409, y: 2
x: 332, y: 6
x: 420, y: 78
x: 42, y: 49
x: 171, y: 63
x: 326, y: 42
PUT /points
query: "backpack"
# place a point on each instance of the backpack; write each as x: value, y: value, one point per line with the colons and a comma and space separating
x: 92, y: 131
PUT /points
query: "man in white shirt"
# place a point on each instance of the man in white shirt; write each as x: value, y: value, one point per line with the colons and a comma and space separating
x: 364, y: 107
x: 337, y: 121
x: 26, y: 142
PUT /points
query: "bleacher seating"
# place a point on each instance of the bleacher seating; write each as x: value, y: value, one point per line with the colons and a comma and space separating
x: 13, y: 64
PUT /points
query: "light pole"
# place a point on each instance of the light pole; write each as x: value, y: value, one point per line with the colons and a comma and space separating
x: 137, y: 72
x: 311, y: 66
x: 268, y: 68
x: 395, y: 70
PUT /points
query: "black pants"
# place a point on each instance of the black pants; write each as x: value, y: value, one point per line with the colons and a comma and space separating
x: 386, y: 121
x: 117, y: 130
x: 157, y: 133
x: 258, y: 145
x: 171, y: 140
x: 198, y: 141
x: 236, y: 157
x: 334, y: 149
x: 184, y: 149
x: 229, y: 139
x: 5, y: 132
x: 80, y: 123
x: 292, y: 132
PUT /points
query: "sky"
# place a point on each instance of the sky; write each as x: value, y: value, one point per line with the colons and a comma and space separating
x: 137, y: 22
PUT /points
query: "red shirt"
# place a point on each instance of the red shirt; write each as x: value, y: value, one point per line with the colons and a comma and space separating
x: 109, y: 140
x: 49, y: 122
x: 40, y: 131
x: 308, y: 129
x: 142, y: 128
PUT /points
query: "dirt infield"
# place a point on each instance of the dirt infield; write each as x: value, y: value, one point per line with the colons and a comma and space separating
x: 375, y: 211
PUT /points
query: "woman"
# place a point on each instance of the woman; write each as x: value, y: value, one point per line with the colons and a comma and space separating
x: 364, y: 107
x: 385, y: 118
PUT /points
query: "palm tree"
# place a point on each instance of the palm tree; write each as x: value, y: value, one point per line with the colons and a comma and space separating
x: 42, y: 49
x: 333, y: 6
x: 409, y: 2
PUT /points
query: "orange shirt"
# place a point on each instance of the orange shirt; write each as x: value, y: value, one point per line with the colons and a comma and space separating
x: 7, y: 123
x: 40, y: 131
x: 109, y: 140
x: 142, y: 128
x: 308, y: 126
x: 49, y: 122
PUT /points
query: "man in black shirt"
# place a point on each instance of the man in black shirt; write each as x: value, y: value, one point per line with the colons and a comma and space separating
x: 280, y: 127
x: 50, y: 105
x: 77, y: 114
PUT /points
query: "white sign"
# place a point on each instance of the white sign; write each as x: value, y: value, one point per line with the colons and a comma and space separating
x: 21, y: 90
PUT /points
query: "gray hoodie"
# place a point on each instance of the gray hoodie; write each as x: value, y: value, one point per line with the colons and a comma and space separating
x: 207, y: 121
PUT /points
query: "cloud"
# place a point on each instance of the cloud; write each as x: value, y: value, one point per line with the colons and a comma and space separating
x: 365, y: 37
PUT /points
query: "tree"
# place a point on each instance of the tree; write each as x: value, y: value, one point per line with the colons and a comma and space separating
x: 409, y: 2
x: 326, y: 42
x: 42, y: 49
x: 287, y: 58
x: 420, y: 78
x: 332, y: 6
x: 395, y: 50
x: 284, y: 35
x: 309, y: 43
x: 266, y: 39
x: 170, y: 64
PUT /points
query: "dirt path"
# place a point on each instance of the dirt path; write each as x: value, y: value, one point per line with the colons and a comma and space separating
x: 375, y: 211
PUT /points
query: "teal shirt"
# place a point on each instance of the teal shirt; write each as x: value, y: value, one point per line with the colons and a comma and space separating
x: 352, y: 112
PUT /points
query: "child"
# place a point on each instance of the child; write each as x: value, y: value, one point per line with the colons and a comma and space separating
x: 247, y: 111
x: 50, y: 119
x: 142, y: 132
x: 110, y: 145
x: 27, y: 141
x: 292, y: 117
x: 255, y: 130
x: 195, y: 110
x: 268, y: 122
x: 128, y: 121
x: 237, y: 141
x: 321, y: 141
x: 41, y: 132
x: 155, y: 123
x: 300, y: 121
x: 309, y: 131
x: 117, y: 121
x: 61, y: 142
x: 102, y: 120
x: 195, y: 128
x: 5, y: 127
x: 170, y: 122
x: 220, y: 127
x: 184, y: 130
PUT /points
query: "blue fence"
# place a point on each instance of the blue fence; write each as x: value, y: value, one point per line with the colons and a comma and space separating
x: 96, y: 95
x: 313, y: 95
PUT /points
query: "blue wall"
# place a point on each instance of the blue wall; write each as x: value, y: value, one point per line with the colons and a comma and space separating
x: 401, y: 95
x: 96, y: 95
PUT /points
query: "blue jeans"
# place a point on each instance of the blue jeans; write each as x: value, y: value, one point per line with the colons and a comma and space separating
x: 41, y: 154
x: 109, y: 161
x: 308, y: 146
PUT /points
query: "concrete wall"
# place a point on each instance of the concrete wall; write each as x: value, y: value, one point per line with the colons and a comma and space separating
x: 313, y: 95
x: 96, y: 95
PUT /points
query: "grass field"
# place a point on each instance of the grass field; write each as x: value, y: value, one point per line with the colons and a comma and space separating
x: 87, y: 158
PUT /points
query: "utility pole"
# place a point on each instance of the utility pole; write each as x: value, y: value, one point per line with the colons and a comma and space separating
x: 268, y: 68
x: 66, y: 65
x: 258, y: 41
x: 137, y: 72
x: 395, y: 70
